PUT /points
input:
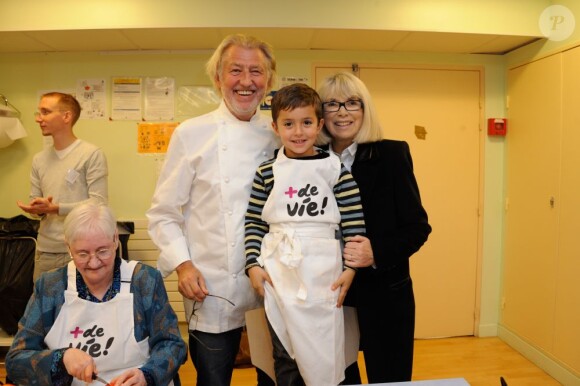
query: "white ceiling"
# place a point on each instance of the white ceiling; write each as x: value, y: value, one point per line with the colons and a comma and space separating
x: 279, y: 38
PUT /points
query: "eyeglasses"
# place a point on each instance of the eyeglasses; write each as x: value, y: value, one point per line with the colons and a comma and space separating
x: 349, y: 105
x: 193, y: 317
x: 45, y: 112
x: 101, y: 254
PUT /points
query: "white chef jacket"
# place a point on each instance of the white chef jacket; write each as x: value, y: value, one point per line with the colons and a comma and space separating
x: 199, y: 205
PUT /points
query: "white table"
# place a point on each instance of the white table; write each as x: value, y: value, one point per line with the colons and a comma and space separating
x: 434, y: 382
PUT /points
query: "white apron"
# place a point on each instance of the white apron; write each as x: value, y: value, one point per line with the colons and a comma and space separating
x: 303, y: 258
x: 103, y: 330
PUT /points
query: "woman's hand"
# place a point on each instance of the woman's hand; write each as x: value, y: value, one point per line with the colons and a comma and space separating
x: 258, y: 276
x: 79, y: 364
x: 344, y: 281
x: 358, y: 252
x: 131, y: 377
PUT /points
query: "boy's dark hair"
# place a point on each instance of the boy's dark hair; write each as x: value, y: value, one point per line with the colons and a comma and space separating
x: 294, y: 96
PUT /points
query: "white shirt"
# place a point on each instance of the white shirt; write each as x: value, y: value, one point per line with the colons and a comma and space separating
x: 199, y: 204
x: 347, y: 155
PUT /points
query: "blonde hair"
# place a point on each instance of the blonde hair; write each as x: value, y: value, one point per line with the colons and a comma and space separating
x: 344, y: 85
x: 68, y: 102
x: 214, y: 65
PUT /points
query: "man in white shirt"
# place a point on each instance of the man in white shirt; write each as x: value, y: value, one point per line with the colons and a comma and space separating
x: 63, y: 176
x: 197, y: 213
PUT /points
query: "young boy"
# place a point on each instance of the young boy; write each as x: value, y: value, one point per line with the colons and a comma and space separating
x: 293, y: 257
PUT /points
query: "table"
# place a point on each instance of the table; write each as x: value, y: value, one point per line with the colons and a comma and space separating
x: 434, y: 382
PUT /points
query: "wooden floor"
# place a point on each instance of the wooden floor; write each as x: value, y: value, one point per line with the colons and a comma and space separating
x: 481, y: 361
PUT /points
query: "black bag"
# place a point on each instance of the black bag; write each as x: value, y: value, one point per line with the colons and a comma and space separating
x: 17, y: 251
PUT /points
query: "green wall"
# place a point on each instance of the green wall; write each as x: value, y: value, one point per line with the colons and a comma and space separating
x: 132, y: 176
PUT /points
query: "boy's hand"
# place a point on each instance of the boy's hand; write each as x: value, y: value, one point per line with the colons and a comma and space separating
x: 344, y: 281
x: 257, y: 277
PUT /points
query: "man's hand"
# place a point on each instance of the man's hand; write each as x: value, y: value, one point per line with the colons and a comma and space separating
x: 39, y: 206
x: 191, y: 282
x: 257, y: 277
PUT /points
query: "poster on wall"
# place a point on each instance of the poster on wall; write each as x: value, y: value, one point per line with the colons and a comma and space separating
x: 153, y: 138
x: 159, y: 104
x: 126, y: 99
x: 193, y: 101
x: 92, y: 94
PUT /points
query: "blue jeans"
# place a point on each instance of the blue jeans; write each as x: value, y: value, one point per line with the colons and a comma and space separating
x: 214, y: 355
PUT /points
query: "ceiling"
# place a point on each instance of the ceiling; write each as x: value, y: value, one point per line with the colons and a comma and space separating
x: 144, y: 39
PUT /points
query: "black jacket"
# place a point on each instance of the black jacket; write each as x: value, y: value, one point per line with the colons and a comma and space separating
x: 396, y: 222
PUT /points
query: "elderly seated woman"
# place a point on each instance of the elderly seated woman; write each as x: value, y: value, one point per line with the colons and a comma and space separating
x: 100, y: 316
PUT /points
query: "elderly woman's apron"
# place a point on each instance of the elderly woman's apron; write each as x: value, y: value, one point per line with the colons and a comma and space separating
x: 104, y: 330
x: 302, y: 256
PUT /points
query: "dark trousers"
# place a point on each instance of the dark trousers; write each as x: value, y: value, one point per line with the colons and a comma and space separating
x: 264, y: 379
x: 214, y: 356
x: 387, y: 329
x: 285, y: 367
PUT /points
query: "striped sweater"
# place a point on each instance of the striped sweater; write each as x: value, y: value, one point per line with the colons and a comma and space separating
x: 346, y: 193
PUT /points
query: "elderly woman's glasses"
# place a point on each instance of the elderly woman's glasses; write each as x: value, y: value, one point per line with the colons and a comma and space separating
x: 193, y: 317
x: 349, y: 105
x: 101, y: 254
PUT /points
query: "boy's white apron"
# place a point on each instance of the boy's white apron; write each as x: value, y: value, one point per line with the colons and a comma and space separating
x: 303, y: 258
x: 104, y: 330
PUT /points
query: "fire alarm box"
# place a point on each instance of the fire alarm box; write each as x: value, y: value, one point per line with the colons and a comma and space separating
x: 496, y: 126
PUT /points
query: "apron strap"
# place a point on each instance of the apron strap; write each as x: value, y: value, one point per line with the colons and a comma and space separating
x: 127, y: 269
x: 71, y: 271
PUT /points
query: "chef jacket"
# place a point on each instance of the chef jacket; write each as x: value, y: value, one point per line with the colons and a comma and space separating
x: 199, y: 204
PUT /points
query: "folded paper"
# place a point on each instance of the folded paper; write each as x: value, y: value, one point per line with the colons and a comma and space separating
x: 11, y: 129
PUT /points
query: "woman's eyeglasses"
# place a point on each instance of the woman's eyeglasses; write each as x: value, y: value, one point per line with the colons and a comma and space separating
x: 101, y: 254
x: 193, y: 316
x: 349, y: 105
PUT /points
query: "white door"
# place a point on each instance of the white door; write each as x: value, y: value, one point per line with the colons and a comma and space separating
x: 446, y: 104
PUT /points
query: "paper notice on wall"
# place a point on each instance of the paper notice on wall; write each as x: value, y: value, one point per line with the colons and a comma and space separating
x: 92, y: 96
x: 159, y: 99
x: 126, y: 99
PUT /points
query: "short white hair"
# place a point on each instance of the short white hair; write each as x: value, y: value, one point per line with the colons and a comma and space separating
x: 88, y: 219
